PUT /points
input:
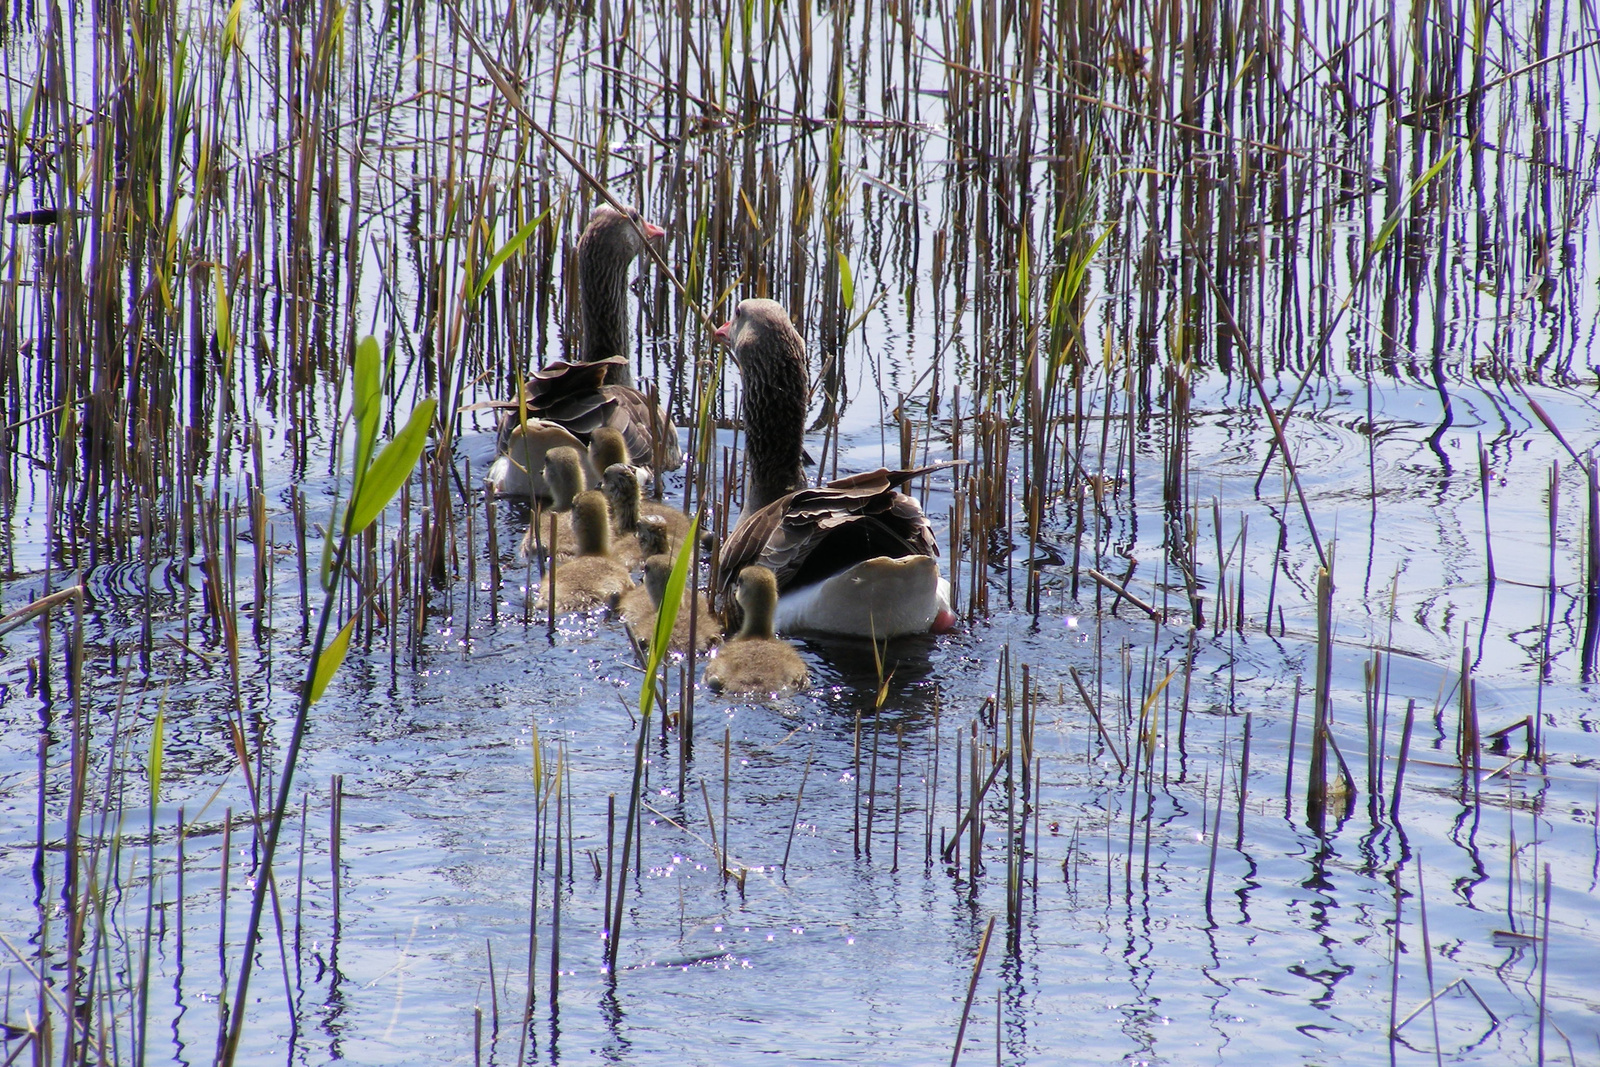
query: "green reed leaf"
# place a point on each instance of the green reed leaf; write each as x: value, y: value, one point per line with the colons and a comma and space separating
x: 391, y: 469
x: 368, y: 407
x: 332, y: 657
x: 667, y: 617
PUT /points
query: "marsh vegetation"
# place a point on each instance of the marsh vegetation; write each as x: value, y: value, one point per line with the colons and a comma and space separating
x: 1265, y: 333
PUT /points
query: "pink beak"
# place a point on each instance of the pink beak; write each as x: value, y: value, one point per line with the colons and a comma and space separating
x: 651, y: 230
x: 724, y: 333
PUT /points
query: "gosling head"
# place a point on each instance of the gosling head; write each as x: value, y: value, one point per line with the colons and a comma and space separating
x: 653, y: 540
x: 621, y: 487
x: 657, y: 569
x: 606, y: 446
x: 591, y: 524
x: 563, y: 473
x: 758, y: 597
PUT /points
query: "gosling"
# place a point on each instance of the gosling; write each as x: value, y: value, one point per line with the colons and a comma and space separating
x: 629, y: 511
x: 639, y: 608
x: 594, y: 576
x: 564, y: 476
x: 606, y: 446
x: 754, y: 660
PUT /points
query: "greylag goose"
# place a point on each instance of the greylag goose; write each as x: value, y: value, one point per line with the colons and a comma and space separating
x: 639, y: 608
x: 567, y: 402
x: 855, y: 557
x: 593, y: 577
x: 755, y: 661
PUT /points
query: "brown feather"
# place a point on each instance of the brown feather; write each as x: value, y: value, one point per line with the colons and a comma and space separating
x: 812, y: 533
x: 571, y: 396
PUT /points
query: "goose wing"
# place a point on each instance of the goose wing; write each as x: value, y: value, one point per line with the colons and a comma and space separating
x: 641, y: 425
x: 813, y: 533
x: 574, y: 396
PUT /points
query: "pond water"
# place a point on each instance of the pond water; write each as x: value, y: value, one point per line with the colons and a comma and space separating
x: 1150, y: 890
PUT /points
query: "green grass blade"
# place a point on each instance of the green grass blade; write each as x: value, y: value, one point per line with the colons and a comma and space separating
x: 1392, y: 223
x: 847, y: 283
x: 506, y: 251
x: 367, y: 407
x: 667, y: 617
x: 157, y: 744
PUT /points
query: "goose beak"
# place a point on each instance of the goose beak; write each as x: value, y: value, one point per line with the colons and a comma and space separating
x: 651, y: 230
x: 724, y: 333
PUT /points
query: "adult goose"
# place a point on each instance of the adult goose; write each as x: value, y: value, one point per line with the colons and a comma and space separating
x: 565, y: 403
x: 593, y: 577
x: 855, y: 557
x: 754, y: 660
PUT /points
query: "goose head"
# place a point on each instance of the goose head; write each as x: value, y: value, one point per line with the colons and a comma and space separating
x: 772, y: 360
x: 610, y: 243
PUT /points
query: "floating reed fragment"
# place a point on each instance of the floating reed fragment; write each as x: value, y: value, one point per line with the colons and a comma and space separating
x: 972, y: 988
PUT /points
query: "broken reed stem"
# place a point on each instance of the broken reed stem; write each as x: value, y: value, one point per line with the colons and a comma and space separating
x: 1400, y: 762
x: 555, y: 891
x: 795, y: 820
x: 1317, y: 773
x: 855, y: 776
x: 1294, y: 729
x: 550, y: 616
x: 1216, y: 826
x: 1544, y: 961
x: 872, y: 782
x: 727, y: 757
x: 711, y: 831
x: 1244, y: 779
x: 1394, y: 972
x: 1105, y: 737
x: 1427, y: 957
x: 899, y: 766
x: 335, y: 838
x: 972, y: 988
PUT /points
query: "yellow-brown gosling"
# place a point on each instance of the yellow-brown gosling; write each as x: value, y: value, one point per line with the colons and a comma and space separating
x: 639, y: 608
x: 652, y: 534
x: 755, y: 661
x: 606, y: 446
x: 594, y: 576
x: 564, y: 475
x: 628, y: 506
